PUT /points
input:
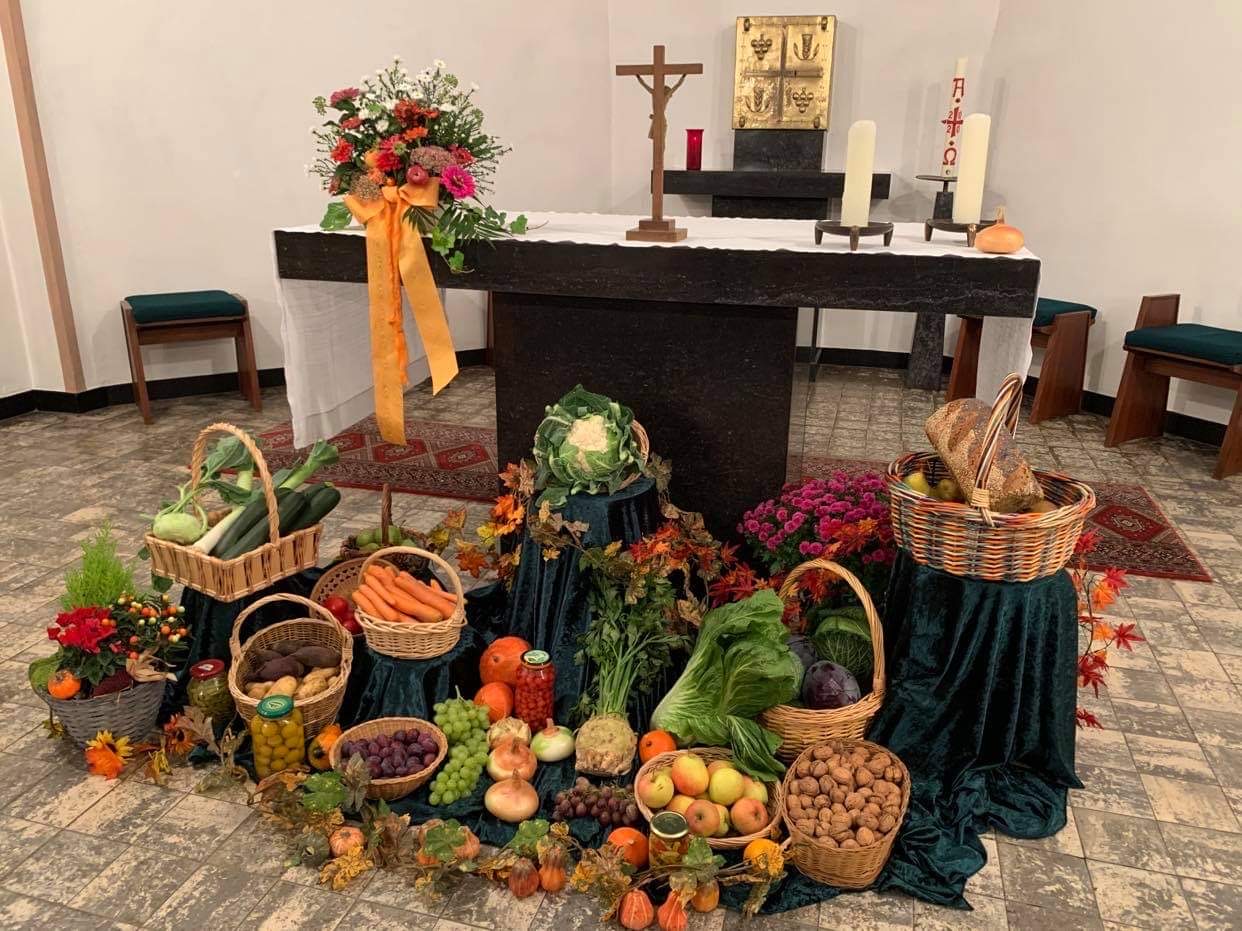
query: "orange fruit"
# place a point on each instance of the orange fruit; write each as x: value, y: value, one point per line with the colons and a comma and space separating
x: 63, y: 684
x: 654, y: 743
x: 500, y: 661
x: 633, y: 843
x: 498, y: 698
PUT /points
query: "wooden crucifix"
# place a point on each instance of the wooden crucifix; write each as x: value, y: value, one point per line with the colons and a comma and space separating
x: 656, y: 228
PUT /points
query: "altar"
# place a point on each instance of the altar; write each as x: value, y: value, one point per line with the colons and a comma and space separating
x: 699, y: 335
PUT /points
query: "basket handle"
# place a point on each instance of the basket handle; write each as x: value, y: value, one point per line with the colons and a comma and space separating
x: 789, y: 586
x: 454, y: 578
x: 385, y: 512
x: 235, y: 637
x: 265, y: 477
x: 1005, y: 411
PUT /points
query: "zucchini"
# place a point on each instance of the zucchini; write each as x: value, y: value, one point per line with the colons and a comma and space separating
x: 289, y: 508
x: 320, y: 500
x: 255, y: 511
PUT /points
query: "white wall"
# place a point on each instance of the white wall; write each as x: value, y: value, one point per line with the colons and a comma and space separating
x: 177, y: 135
x: 1116, y: 140
x: 894, y: 64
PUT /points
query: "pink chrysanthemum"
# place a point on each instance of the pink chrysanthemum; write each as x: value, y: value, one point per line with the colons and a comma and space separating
x: 345, y: 93
x: 457, y: 181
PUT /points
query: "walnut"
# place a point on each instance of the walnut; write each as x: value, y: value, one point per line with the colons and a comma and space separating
x: 863, y: 776
x: 795, y: 805
x: 872, y: 809
x: 893, y: 774
x: 865, y: 837
x: 839, y: 807
x: 853, y: 802
x: 878, y: 763
x: 826, y: 784
x: 820, y: 802
x: 884, y: 787
x: 802, y: 769
x: 805, y: 825
x: 887, y: 823
x: 829, y: 842
x: 838, y: 794
x: 866, y: 791
x: 894, y: 811
x: 858, y: 757
x: 821, y: 752
x: 825, y: 815
x: 856, y: 818
x: 868, y: 821
x: 822, y: 830
x: 820, y: 768
x: 841, y: 823
x: 808, y: 786
x: 849, y: 844
x: 842, y: 777
x: 842, y: 836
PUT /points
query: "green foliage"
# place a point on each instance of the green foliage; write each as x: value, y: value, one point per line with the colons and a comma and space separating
x: 336, y: 217
x: 324, y: 792
x: 741, y: 665
x: 101, y: 578
x: 584, y: 444
x: 442, y: 840
x: 42, y: 670
x: 843, y: 637
x: 525, y: 840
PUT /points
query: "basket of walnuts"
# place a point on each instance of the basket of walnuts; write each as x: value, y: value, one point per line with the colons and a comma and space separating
x: 844, y: 802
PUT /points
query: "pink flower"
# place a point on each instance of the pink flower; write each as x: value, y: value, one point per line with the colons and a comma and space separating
x: 462, y: 155
x: 752, y: 526
x: 345, y: 93
x: 457, y: 181
x: 352, y: 122
x: 417, y: 175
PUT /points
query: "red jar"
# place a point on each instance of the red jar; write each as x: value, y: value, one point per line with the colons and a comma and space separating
x: 536, y: 680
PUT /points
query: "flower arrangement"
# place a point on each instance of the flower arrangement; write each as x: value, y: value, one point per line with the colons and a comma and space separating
x: 422, y: 130
x: 1096, y: 591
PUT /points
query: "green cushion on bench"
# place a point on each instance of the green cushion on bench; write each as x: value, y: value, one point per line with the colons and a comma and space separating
x: 1209, y: 343
x: 184, y: 305
x: 1047, y: 309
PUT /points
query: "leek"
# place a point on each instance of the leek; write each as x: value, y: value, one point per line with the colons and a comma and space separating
x: 206, y: 543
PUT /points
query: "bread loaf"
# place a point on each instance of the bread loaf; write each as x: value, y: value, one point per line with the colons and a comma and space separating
x: 957, y: 433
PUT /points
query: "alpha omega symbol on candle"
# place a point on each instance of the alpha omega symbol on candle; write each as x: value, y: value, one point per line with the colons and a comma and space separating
x: 953, y: 120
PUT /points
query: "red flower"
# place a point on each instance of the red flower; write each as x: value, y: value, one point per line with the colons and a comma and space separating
x: 1087, y: 542
x: 462, y: 155
x: 457, y: 181
x: 82, y: 628
x: 339, y: 97
x: 343, y: 151
x: 417, y: 175
x: 352, y: 122
x: 387, y: 160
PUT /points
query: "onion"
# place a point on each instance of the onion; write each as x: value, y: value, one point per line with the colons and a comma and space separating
x: 511, y: 757
x: 513, y: 799
x: 508, y: 727
x: 553, y: 743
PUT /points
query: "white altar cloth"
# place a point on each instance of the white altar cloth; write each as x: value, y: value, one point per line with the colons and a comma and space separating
x: 326, y: 337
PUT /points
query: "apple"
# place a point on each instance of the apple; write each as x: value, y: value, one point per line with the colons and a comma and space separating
x: 679, y: 804
x: 690, y: 775
x: 723, y: 813
x: 655, y: 788
x: 725, y: 786
x: 748, y: 815
x: 703, y: 817
x: 753, y: 788
x: 715, y: 765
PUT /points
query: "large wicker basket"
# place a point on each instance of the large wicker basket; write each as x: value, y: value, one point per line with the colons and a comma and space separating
x: 228, y: 580
x: 404, y: 640
x: 397, y: 786
x: 411, y: 564
x: 342, y: 578
x: 708, y: 755
x: 845, y: 869
x: 973, y: 541
x: 319, y: 710
x: 131, y: 713
x: 800, y: 728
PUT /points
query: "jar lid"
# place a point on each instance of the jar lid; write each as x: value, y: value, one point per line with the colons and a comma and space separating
x: 207, y: 669
x: 275, y: 706
x: 536, y: 657
x: 669, y: 825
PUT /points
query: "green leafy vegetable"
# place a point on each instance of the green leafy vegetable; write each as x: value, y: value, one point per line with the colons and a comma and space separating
x: 184, y: 520
x: 741, y: 665
x: 101, y: 578
x: 585, y: 443
x: 843, y: 637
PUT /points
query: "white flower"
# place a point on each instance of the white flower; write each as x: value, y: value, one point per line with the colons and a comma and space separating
x: 440, y: 65
x: 395, y: 59
x: 447, y: 107
x: 473, y: 86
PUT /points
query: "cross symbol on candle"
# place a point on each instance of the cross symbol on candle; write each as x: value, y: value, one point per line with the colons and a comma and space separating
x: 953, y: 122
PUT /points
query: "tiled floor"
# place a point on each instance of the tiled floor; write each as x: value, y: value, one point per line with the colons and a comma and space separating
x: 1153, y: 840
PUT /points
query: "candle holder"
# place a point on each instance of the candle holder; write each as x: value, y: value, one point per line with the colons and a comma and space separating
x: 949, y: 226
x: 943, y: 208
x: 837, y: 228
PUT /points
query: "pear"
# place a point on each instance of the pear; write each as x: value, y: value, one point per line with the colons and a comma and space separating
x: 947, y: 490
x: 917, y: 481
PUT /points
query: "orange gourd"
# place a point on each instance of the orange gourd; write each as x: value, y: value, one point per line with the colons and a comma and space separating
x: 654, y: 743
x: 766, y: 854
x: 345, y: 839
x: 498, y: 698
x: 633, y: 843
x: 63, y: 684
x: 635, y: 911
x: 523, y: 878
x: 552, y: 869
x: 672, y: 914
x: 500, y: 661
x: 706, y: 897
x: 999, y: 238
x: 319, y: 749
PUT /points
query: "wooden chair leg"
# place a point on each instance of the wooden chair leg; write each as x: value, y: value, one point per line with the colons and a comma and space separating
x: 1141, y: 402
x: 1229, y: 462
x: 491, y: 333
x: 136, y: 372
x: 247, y: 370
x: 965, y: 360
x: 1064, y: 367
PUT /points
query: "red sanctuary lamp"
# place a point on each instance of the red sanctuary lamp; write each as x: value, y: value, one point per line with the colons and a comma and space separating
x: 694, y: 149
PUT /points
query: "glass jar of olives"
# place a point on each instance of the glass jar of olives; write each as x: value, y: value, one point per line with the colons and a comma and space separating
x: 535, y: 693
x: 277, y: 735
x: 209, y: 690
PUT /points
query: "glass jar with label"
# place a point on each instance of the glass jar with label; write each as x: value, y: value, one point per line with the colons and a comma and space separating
x: 209, y: 690
x: 668, y: 839
x: 534, y: 697
x: 277, y: 735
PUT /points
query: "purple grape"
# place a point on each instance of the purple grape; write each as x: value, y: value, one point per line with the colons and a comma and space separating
x: 373, y: 760
x: 398, y: 735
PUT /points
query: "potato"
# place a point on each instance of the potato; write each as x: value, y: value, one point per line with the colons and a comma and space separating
x: 310, y: 687
x: 820, y: 768
x: 259, y: 656
x: 838, y: 794
x: 258, y: 689
x: 806, y: 826
x: 849, y: 844
x: 288, y: 647
x: 887, y: 823
x: 279, y: 668
x: 316, y: 655
x: 802, y: 769
x: 854, y: 802
x: 863, y: 776
x: 286, y: 685
x: 324, y: 672
x: 865, y: 837
x: 808, y: 786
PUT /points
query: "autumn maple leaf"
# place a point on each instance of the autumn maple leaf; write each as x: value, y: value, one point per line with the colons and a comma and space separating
x: 1116, y: 578
x: 1102, y: 595
x: 1091, y: 669
x: 1124, y: 635
x: 471, y: 560
x: 1086, y: 719
x: 1087, y: 542
x: 1101, y: 630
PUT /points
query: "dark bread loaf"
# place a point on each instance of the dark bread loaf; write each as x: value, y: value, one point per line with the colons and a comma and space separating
x: 957, y: 432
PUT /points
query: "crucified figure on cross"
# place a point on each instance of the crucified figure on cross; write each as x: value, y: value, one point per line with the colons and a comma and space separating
x: 656, y: 228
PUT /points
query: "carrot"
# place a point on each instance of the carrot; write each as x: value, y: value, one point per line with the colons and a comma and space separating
x: 377, y: 577
x: 422, y: 612
x: 436, y: 586
x: 388, y: 571
x: 379, y: 591
x: 426, y: 593
x: 363, y: 601
x: 407, y: 603
x: 386, y: 610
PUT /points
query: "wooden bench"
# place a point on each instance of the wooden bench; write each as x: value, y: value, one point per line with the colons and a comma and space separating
x: 187, y: 316
x: 1060, y: 328
x: 1160, y: 348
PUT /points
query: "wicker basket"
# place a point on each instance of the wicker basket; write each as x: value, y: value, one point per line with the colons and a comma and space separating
x: 411, y: 564
x: 800, y: 728
x: 341, y: 579
x: 131, y: 712
x: 846, y: 869
x: 708, y: 754
x: 318, y: 711
x: 397, y: 786
x: 228, y: 580
x: 404, y: 640
x: 972, y: 541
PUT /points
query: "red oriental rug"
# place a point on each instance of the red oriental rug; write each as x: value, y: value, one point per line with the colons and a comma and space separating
x: 1134, y: 533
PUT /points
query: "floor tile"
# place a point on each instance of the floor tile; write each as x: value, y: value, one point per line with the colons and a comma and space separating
x: 194, y: 824
x: 1177, y: 759
x: 18, y: 840
x: 253, y: 847
x: 60, y: 796
x: 1023, y: 917
x: 1201, y: 853
x: 209, y: 898
x: 1123, y: 839
x: 1114, y: 790
x: 396, y: 890
x: 1199, y: 692
x: 1064, y: 841
x: 134, y: 885
x: 290, y: 907
x: 1216, y: 727
x: 988, y: 914
x: 1214, y: 905
x: 22, y: 913
x: 1050, y: 880
x: 1189, y: 803
x: 130, y: 808
x: 372, y: 916
x: 872, y: 911
x: 988, y: 880
x: 57, y: 870
x: 1104, y: 748
x: 1140, y: 898
x: 490, y: 905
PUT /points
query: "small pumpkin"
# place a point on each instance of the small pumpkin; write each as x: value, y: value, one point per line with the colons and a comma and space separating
x: 320, y: 747
x: 523, y: 878
x: 764, y: 852
x: 63, y: 684
x: 672, y: 914
x: 500, y: 661
x: 706, y: 896
x: 497, y: 698
x: 469, y: 848
x: 999, y: 238
x: 552, y: 869
x: 636, y: 911
x: 345, y: 839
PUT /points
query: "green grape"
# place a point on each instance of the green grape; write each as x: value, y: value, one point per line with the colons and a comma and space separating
x: 435, y: 797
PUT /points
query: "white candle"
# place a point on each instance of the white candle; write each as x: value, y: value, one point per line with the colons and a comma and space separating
x: 859, y: 163
x: 972, y: 165
x: 953, y: 120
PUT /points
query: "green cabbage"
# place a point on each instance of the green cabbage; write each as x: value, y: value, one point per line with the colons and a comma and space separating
x: 584, y: 444
x: 741, y: 665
